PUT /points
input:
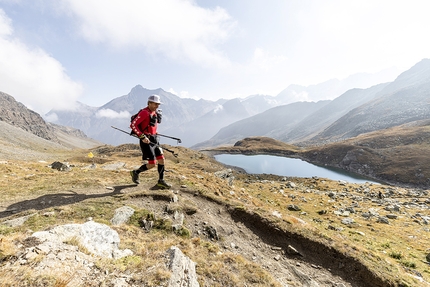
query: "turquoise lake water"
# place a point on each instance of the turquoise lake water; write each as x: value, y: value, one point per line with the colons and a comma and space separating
x: 284, y: 166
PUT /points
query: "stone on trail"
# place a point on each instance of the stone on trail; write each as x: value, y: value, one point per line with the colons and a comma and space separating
x: 122, y: 215
x: 183, y: 269
x: 99, y: 239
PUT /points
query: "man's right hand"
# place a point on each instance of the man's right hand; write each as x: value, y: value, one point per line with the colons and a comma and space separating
x: 144, y: 138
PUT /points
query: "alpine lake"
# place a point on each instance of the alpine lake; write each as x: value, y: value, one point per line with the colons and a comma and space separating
x: 284, y: 166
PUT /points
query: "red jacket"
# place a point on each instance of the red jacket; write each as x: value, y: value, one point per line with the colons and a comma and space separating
x: 140, y: 125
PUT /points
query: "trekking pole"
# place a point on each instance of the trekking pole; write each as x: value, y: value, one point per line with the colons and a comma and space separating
x: 179, y: 140
x: 134, y: 135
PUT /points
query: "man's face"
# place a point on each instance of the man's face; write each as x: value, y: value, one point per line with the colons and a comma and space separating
x: 153, y: 106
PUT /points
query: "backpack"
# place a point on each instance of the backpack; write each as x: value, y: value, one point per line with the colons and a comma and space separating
x: 134, y: 116
x: 152, y: 120
x: 132, y: 119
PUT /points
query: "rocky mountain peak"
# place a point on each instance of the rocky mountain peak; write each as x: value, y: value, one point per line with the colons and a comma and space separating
x: 18, y: 115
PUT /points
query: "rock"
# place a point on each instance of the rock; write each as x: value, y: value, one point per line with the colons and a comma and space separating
x: 292, y: 251
x: 331, y: 227
x: 224, y: 173
x: 98, y: 239
x: 114, y: 166
x: 391, y: 216
x: 293, y: 207
x: 342, y: 182
x: 291, y: 184
x: 373, y: 212
x: 332, y: 194
x: 383, y: 219
x: 17, y: 221
x: 147, y: 224
x: 304, y: 279
x: 342, y: 213
x: 175, y: 198
x: 178, y: 218
x: 183, y: 269
x: 212, y: 233
x: 122, y: 215
x: 348, y: 221
x: 277, y: 214
x: 60, y: 166
x: 350, y: 209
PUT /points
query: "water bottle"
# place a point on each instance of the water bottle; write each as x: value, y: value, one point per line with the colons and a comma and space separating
x: 159, y: 115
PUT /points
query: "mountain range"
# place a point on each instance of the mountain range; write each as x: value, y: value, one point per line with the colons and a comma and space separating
x: 355, y: 112
x: 204, y: 123
x: 197, y: 121
x: 22, y: 126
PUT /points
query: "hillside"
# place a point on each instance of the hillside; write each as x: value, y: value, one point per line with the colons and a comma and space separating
x: 395, y: 156
x: 273, y: 121
x: 16, y: 114
x: 348, y: 115
x: 240, y: 229
x: 16, y: 143
x: 25, y: 133
x: 400, y: 102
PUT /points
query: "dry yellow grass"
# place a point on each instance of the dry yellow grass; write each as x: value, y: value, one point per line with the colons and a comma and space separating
x: 395, y: 252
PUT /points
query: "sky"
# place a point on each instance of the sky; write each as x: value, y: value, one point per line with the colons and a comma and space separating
x: 56, y: 52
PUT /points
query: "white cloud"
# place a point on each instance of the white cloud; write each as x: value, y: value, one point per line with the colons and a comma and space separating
x: 5, y: 25
x: 341, y: 38
x: 172, y: 91
x: 182, y: 94
x: 32, y: 76
x: 178, y: 29
x: 263, y: 61
x: 186, y: 95
x: 52, y: 118
x: 111, y: 114
x: 218, y: 109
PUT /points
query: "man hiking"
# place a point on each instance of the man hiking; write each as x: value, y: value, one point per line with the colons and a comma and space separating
x: 144, y: 125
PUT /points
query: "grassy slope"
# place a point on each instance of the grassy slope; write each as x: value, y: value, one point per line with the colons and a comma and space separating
x: 395, y: 253
x: 397, y: 155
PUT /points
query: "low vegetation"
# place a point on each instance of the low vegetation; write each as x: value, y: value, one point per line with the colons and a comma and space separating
x: 307, y: 211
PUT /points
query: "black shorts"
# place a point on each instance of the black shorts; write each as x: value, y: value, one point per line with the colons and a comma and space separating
x: 152, y: 151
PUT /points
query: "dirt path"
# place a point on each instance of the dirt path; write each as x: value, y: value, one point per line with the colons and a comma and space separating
x: 235, y: 236
x: 237, y: 233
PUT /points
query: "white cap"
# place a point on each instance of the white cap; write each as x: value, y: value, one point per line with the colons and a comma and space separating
x: 154, y: 99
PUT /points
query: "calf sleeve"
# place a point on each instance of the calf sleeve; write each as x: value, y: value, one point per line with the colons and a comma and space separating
x: 161, y: 171
x: 142, y: 169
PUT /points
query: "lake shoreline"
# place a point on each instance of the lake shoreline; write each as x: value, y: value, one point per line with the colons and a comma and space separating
x: 289, y: 167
